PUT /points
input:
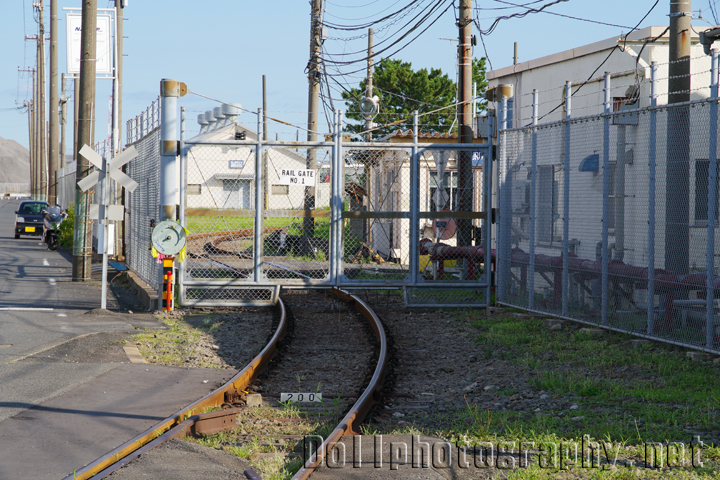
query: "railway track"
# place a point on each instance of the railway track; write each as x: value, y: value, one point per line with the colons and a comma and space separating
x: 330, y: 340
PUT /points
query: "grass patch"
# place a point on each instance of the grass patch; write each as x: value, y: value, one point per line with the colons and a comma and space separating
x: 176, y: 346
x: 623, y: 398
x: 270, y: 438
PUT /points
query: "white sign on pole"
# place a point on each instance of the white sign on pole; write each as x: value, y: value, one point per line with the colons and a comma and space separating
x: 293, y: 176
x: 74, y: 47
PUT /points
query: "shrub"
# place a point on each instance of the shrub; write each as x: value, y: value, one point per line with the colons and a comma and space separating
x: 67, y: 228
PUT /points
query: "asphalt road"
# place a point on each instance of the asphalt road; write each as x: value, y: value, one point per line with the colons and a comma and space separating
x: 68, y: 393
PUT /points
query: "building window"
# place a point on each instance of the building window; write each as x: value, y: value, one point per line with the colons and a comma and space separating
x: 702, y: 183
x: 194, y: 189
x: 443, y: 195
x: 549, y: 221
x: 280, y: 189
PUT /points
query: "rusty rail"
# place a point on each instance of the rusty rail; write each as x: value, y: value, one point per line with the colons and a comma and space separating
x: 183, y: 423
x: 349, y: 425
x: 159, y: 433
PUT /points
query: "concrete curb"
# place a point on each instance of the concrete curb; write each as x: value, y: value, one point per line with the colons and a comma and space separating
x: 147, y: 296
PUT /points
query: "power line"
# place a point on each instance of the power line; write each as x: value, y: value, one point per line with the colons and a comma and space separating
x: 402, y: 37
x: 567, y: 16
x: 518, y: 15
x: 616, y: 47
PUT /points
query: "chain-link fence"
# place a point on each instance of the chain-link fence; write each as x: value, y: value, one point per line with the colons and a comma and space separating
x: 610, y: 220
x: 264, y: 214
x: 142, y: 207
x: 66, y: 185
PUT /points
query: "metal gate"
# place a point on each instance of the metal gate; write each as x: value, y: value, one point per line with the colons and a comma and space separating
x: 266, y: 214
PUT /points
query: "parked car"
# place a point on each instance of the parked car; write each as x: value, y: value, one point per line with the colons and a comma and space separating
x: 29, y: 220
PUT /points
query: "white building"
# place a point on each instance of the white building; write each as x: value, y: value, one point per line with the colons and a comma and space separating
x: 223, y: 176
x: 629, y: 61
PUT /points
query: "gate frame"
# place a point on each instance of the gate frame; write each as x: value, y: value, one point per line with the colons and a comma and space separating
x: 336, y: 277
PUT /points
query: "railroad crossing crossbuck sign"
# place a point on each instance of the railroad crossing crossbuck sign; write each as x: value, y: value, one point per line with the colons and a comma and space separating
x: 110, y: 212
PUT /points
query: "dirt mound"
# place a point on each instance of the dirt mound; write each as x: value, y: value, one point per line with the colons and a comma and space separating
x: 14, y: 162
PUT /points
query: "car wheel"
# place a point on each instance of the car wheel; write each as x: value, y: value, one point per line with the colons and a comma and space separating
x: 17, y: 236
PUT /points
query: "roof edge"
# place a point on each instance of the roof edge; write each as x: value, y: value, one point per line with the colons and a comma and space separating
x: 607, y: 44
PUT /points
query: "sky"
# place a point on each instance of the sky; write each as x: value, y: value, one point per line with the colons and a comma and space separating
x: 221, y: 48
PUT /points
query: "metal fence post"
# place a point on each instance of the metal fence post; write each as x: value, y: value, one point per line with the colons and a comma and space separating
x: 566, y: 202
x: 488, y: 225
x: 604, y: 292
x: 712, y: 205
x: 183, y: 199
x: 258, y: 240
x: 651, y: 200
x: 414, y: 204
x: 504, y: 250
x: 533, y: 183
x: 170, y: 91
x: 336, y: 205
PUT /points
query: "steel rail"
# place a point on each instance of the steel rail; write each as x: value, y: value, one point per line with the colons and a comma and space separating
x: 350, y: 424
x: 131, y: 449
x: 213, y: 422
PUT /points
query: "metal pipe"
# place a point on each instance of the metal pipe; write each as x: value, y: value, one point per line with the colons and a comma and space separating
x: 183, y: 201
x: 170, y: 91
x: 258, y: 240
x: 533, y: 203
x: 414, y: 203
x: 566, y: 201
x: 712, y: 205
x: 651, y: 199
x: 488, y: 191
x: 340, y: 175
x: 620, y: 194
x: 335, y: 200
x: 504, y: 247
x: 606, y: 203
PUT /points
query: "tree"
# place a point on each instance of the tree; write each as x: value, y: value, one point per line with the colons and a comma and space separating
x: 402, y: 90
x: 478, y: 76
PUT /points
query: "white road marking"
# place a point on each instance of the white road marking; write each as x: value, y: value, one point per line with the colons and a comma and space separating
x: 62, y: 315
x: 51, y: 281
x: 23, y: 309
x: 45, y: 263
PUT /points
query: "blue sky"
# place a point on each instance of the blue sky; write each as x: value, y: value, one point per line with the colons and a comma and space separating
x: 221, y: 48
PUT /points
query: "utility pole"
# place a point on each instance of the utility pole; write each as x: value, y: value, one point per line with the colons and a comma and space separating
x: 314, y: 76
x: 37, y: 126
x: 41, y: 104
x: 368, y: 137
x: 369, y: 82
x: 677, y: 216
x: 120, y: 193
x: 119, y: 11
x: 31, y: 136
x: 63, y: 121
x: 53, y: 140
x: 31, y: 131
x: 82, y: 244
x: 465, y: 116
